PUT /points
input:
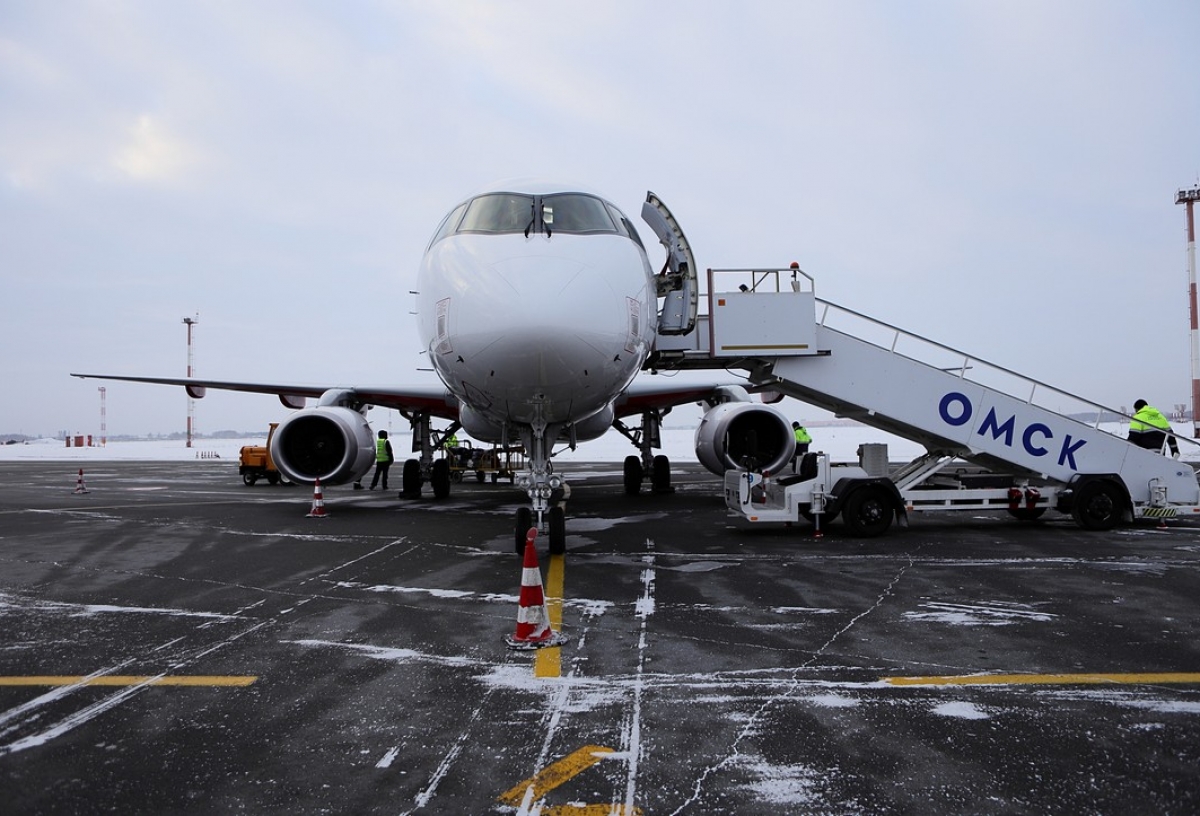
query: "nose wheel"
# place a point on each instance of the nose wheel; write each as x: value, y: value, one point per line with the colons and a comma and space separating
x: 555, y: 524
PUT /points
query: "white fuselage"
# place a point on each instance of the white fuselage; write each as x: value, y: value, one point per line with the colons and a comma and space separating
x: 536, y: 330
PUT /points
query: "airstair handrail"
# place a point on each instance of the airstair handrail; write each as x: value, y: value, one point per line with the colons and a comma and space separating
x: 966, y: 364
x: 760, y: 279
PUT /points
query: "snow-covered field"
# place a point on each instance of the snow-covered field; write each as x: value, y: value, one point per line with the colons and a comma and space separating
x: 840, y: 441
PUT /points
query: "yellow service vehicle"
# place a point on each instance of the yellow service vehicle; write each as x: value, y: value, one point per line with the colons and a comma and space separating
x: 255, y: 462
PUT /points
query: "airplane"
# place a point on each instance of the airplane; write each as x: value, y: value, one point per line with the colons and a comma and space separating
x: 537, y: 306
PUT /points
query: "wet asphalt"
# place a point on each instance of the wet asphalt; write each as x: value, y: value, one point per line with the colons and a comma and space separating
x: 173, y: 641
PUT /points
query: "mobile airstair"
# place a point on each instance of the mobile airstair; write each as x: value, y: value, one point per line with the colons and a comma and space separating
x: 994, y: 439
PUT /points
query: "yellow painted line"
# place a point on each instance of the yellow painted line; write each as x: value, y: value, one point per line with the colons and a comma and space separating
x: 127, y: 680
x: 548, y: 662
x: 590, y: 810
x: 553, y: 775
x: 1045, y: 679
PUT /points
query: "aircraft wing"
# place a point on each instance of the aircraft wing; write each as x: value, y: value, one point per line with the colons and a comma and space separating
x: 434, y: 399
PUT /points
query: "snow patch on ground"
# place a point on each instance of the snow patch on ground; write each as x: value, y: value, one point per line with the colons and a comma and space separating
x: 993, y: 613
x: 960, y: 710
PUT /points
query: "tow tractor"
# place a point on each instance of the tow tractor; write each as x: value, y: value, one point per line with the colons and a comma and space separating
x: 255, y: 462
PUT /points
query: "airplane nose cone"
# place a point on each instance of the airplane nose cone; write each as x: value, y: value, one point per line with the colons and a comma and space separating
x: 540, y: 326
x: 546, y: 300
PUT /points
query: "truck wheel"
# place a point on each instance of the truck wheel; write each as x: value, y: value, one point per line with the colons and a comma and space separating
x: 1097, y: 505
x: 272, y: 478
x: 868, y: 512
x: 249, y: 478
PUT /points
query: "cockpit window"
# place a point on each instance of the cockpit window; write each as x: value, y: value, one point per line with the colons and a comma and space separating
x: 576, y: 213
x: 624, y: 226
x: 572, y: 212
x: 498, y: 212
x: 449, y: 224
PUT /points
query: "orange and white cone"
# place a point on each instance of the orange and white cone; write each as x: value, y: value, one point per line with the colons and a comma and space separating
x: 318, y: 505
x: 533, y: 619
x: 80, y: 487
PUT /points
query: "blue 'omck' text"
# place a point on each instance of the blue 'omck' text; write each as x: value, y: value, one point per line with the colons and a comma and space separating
x: 956, y: 409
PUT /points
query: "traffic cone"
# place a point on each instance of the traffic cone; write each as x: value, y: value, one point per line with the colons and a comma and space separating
x: 80, y: 487
x: 533, y: 620
x: 318, y: 505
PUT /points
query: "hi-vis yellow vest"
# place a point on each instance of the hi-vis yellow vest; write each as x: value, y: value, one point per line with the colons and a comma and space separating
x: 381, y: 454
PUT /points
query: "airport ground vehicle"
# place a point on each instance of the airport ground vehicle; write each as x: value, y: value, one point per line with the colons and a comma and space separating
x: 255, y: 462
x: 994, y: 439
x: 497, y: 462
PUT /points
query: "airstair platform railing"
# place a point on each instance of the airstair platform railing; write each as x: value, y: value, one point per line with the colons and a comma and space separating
x: 966, y: 366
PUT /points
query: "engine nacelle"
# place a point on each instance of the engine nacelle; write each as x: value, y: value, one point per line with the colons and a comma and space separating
x: 595, y: 426
x: 478, y: 426
x: 329, y: 443
x: 733, y: 433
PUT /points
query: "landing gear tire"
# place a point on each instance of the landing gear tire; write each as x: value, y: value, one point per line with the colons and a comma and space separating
x: 868, y: 512
x: 1097, y: 506
x: 660, y: 475
x: 633, y: 475
x: 439, y: 478
x: 524, y: 522
x: 558, y: 531
x: 410, y: 480
x: 1026, y: 513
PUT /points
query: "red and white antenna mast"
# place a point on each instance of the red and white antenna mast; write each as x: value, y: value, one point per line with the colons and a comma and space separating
x: 103, y: 418
x: 191, y: 403
x: 1190, y: 197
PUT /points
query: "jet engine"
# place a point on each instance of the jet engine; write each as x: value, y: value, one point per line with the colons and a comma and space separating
x: 478, y: 426
x: 744, y: 434
x: 594, y: 426
x: 330, y: 443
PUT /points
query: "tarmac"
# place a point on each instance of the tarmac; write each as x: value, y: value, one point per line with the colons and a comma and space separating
x: 176, y: 642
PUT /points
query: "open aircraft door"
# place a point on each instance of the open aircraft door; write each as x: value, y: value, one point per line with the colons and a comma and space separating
x: 677, y: 283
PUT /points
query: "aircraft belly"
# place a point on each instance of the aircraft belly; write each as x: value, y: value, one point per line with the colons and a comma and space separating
x: 516, y: 380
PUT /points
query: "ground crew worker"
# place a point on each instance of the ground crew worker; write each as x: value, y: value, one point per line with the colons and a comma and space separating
x: 1149, y: 429
x: 383, y: 459
x: 802, y: 442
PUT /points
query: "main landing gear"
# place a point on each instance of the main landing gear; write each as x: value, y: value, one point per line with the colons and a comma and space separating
x: 418, y: 471
x: 646, y: 439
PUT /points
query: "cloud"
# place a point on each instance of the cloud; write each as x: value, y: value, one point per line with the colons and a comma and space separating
x: 997, y: 177
x: 152, y: 154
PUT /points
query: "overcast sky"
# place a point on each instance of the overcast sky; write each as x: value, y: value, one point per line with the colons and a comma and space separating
x: 999, y: 177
